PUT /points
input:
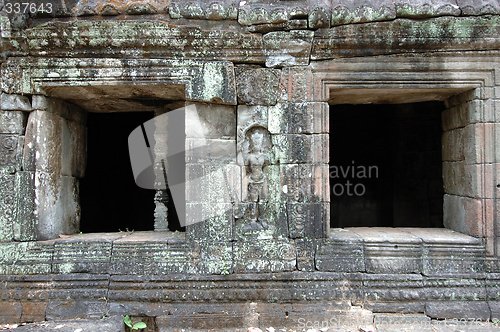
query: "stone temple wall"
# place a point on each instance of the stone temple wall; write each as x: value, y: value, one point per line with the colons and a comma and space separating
x: 257, y: 80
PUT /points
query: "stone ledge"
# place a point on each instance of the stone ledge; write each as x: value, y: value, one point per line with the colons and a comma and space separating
x: 401, y: 250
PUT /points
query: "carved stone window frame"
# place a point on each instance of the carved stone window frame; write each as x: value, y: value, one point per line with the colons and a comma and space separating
x: 203, y: 82
x: 469, y: 84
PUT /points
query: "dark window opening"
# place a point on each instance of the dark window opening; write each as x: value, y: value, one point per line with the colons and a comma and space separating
x: 385, y: 165
x: 110, y: 200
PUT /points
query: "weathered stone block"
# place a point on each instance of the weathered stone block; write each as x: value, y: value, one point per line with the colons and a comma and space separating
x: 271, y: 221
x: 448, y: 252
x: 390, y: 250
x: 52, y: 105
x: 442, y: 259
x: 219, y: 10
x: 305, y: 183
x: 19, y: 153
x: 211, y: 258
x: 466, y: 113
x: 54, y: 144
x: 74, y: 149
x: 477, y: 113
x: 60, y: 107
x: 478, y: 7
x: 463, y: 214
x: 57, y: 310
x: 306, y: 251
x: 356, y: 40
x: 329, y: 317
x: 12, y: 102
x: 57, y: 205
x: 362, y: 11
x: 397, y: 323
x: 478, y: 147
x: 257, y: 86
x: 215, y: 84
x: 427, y: 8
x: 7, y: 204
x: 399, y: 306
x: 172, y: 42
x: 495, y: 310
x: 478, y: 310
x: 319, y: 14
x: 395, y: 293
x: 296, y: 85
x: 453, y: 174
x: 496, y: 129
x: 468, y: 180
x: 217, y: 151
x: 307, y: 220
x: 299, y: 118
x: 208, y: 316
x: 287, y: 48
x: 33, y: 311
x: 213, y: 183
x: 266, y: 12
x: 8, y: 150
x: 12, y: 122
x: 211, y: 81
x: 454, y: 117
x: 210, y: 121
x: 143, y: 253
x: 24, y: 217
x: 43, y: 142
x: 342, y: 252
x: 26, y: 258
x: 264, y: 256
x: 107, y: 323
x: 10, y: 312
x: 210, y: 222
x: 293, y: 24
x: 292, y: 149
x: 453, y: 145
x: 88, y: 253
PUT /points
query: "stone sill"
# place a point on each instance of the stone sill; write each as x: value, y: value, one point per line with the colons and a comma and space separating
x: 403, y: 235
x: 122, y: 238
x: 425, y: 251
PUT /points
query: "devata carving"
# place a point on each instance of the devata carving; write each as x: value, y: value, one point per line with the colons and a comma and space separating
x: 256, y: 150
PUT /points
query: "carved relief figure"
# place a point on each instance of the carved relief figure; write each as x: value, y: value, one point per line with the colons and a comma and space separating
x: 256, y: 152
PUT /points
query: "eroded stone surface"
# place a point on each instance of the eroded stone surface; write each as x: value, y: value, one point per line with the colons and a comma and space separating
x: 108, y: 324
x: 249, y: 93
x: 411, y: 36
x: 11, y: 122
x: 12, y: 102
x: 287, y: 48
x: 362, y: 11
x: 7, y: 204
x: 427, y: 8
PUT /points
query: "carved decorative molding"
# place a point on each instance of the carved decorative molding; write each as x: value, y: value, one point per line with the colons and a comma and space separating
x: 204, y: 81
x: 317, y: 13
x: 438, y: 78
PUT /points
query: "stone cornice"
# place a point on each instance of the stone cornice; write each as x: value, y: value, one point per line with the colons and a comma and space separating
x: 310, y: 14
x: 132, y: 39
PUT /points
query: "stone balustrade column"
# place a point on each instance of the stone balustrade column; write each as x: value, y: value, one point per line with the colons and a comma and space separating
x: 54, y: 158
